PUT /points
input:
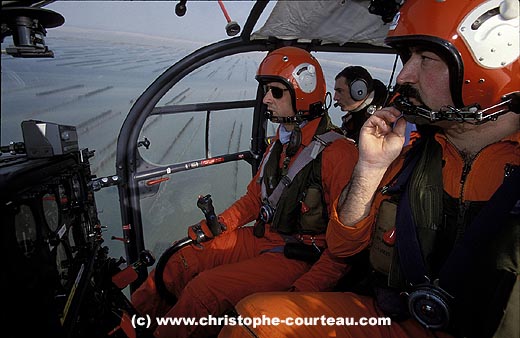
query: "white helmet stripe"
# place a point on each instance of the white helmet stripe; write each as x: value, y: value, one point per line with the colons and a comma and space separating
x: 493, y: 37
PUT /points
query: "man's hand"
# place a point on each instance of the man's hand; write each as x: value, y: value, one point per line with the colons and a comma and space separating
x: 201, y: 232
x: 379, y: 143
x: 379, y: 146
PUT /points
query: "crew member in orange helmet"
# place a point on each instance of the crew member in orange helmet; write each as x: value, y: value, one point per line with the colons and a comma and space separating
x: 286, y: 248
x: 445, y: 213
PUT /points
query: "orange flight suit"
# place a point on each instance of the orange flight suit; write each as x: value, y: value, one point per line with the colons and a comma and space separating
x: 483, y: 179
x: 212, y: 279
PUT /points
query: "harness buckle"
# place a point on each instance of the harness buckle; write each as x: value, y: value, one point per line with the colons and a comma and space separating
x: 266, y: 213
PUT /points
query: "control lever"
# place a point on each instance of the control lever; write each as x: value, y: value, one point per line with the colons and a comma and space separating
x: 205, y: 203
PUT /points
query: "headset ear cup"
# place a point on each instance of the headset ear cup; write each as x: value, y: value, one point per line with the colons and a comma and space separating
x: 358, y: 89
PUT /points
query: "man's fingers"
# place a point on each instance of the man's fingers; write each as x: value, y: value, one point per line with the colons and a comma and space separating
x: 400, y: 127
x: 389, y: 114
x: 379, y: 125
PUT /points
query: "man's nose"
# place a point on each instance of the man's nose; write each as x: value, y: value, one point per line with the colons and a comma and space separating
x: 408, y: 73
x: 267, y: 97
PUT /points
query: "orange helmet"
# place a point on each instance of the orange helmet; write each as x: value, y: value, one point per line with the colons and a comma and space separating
x: 479, y: 40
x: 301, y: 73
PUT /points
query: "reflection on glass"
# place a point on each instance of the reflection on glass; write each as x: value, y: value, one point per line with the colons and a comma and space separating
x: 51, y: 211
x: 62, y: 263
x: 63, y: 197
x: 76, y: 188
x: 25, y: 228
x: 72, y: 241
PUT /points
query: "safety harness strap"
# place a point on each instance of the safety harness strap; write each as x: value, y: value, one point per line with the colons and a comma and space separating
x: 408, y: 247
x: 308, y: 154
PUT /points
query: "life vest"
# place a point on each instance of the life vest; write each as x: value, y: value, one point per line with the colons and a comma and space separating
x: 301, y: 207
x: 441, y: 221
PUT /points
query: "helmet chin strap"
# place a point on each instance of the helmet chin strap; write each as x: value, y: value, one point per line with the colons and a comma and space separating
x: 285, y: 119
x: 467, y: 114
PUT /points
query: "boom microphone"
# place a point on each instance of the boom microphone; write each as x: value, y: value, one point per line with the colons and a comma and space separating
x: 336, y: 105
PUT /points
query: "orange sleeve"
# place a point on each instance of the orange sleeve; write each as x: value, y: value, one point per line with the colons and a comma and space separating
x: 345, y: 241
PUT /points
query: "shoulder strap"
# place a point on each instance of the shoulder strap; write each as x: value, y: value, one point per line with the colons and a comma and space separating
x: 408, y: 247
x: 308, y: 154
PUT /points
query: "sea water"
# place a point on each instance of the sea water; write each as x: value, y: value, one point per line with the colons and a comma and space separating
x: 93, y: 82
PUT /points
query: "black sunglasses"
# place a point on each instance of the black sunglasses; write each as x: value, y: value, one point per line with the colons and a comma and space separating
x: 275, y: 91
